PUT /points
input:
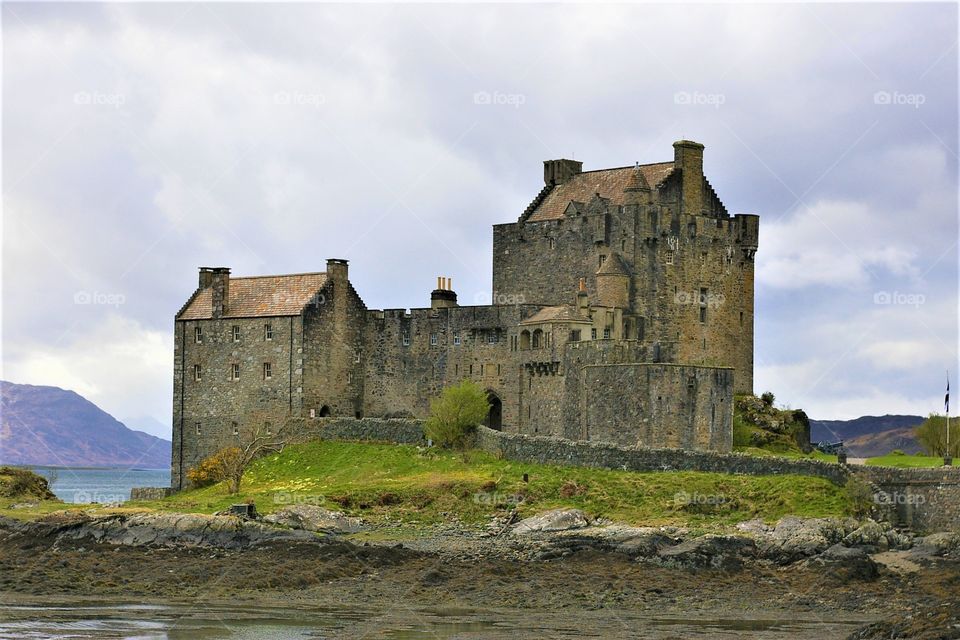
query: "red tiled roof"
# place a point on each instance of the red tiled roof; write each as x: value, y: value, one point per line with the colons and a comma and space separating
x: 259, y: 296
x: 610, y: 183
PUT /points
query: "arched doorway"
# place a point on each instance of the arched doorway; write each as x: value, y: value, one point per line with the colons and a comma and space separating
x: 495, y: 414
x: 324, y: 411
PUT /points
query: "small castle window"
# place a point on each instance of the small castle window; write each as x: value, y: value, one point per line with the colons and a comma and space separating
x: 669, y: 256
x: 703, y: 305
x: 606, y: 333
x: 267, y: 371
x: 703, y: 258
x: 235, y: 371
x: 313, y: 413
x: 593, y: 333
x: 198, y: 334
x: 537, y: 338
x: 356, y: 356
x: 268, y: 332
x: 575, y: 335
x: 236, y: 333
x: 741, y: 318
x: 456, y: 339
x: 492, y: 337
x: 268, y: 428
x: 236, y: 428
x: 198, y: 428
x: 524, y: 340
x: 498, y: 369
x: 601, y: 259
x: 197, y: 374
x: 623, y: 246
x: 406, y: 339
x: 552, y: 243
x: 471, y: 369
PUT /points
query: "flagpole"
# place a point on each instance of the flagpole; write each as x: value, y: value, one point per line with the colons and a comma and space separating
x: 947, y: 458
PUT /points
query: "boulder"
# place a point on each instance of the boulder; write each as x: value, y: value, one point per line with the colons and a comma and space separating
x: 868, y: 534
x: 313, y: 518
x: 793, y: 538
x: 555, y: 520
x: 710, y: 551
x: 939, y: 544
x: 844, y: 564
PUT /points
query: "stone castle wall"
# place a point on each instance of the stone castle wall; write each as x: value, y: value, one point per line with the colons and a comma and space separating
x: 207, y: 412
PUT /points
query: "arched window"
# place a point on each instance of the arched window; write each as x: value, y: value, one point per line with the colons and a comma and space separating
x: 537, y: 339
x: 524, y: 340
x: 324, y: 411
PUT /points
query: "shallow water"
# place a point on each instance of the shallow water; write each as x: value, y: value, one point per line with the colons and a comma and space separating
x: 97, y: 484
x: 207, y: 621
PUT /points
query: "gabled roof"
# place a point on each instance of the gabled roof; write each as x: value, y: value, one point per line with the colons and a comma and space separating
x: 259, y: 296
x: 609, y: 183
x: 613, y: 266
x: 563, y: 313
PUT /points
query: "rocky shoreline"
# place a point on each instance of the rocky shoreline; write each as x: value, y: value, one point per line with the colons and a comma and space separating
x: 907, y: 584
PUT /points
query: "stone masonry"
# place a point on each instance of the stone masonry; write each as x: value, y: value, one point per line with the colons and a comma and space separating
x: 622, y: 312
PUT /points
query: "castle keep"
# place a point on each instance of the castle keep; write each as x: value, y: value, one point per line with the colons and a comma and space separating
x: 622, y: 312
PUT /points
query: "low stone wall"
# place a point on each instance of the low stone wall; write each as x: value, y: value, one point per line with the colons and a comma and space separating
x: 923, y: 499
x: 609, y: 456
x: 398, y: 430
x: 150, y: 493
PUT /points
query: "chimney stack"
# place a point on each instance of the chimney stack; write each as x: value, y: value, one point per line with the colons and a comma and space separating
x: 688, y: 157
x: 443, y: 296
x: 337, y: 269
x: 559, y: 171
x: 582, y: 300
x: 218, y: 280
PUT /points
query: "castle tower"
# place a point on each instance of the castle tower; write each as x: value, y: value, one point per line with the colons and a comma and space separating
x: 613, y: 283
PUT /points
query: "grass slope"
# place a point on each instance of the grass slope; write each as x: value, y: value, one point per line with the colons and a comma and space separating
x: 390, y: 482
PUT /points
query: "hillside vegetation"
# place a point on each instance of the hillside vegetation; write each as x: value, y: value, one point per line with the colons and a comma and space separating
x: 410, y: 485
x: 758, y: 426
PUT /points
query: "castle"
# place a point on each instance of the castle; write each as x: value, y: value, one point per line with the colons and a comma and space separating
x: 622, y: 312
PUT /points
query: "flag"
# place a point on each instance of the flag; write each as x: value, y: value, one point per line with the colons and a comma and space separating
x: 946, y: 398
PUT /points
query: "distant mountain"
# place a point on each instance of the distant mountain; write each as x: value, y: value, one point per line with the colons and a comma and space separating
x: 870, y: 435
x: 51, y: 426
x: 147, y: 424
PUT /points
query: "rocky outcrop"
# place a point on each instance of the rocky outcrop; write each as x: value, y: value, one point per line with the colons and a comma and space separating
x: 155, y: 529
x: 709, y: 552
x: 555, y: 520
x: 313, y: 518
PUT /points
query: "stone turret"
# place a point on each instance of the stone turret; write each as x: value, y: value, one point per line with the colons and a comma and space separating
x: 613, y: 283
x: 637, y: 190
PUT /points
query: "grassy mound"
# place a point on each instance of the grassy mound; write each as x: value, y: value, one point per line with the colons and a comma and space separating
x: 22, y: 484
x: 758, y: 425
x: 411, y: 485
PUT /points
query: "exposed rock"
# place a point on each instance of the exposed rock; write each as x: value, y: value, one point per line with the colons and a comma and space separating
x: 939, y: 544
x: 555, y: 520
x: 793, y: 539
x: 868, y: 534
x: 844, y: 563
x: 313, y: 518
x: 158, y: 529
x: 710, y: 551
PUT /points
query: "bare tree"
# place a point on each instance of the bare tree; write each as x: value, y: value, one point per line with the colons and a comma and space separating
x: 259, y: 438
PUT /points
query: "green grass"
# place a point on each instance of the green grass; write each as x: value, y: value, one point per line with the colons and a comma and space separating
x: 902, y: 460
x: 402, y: 483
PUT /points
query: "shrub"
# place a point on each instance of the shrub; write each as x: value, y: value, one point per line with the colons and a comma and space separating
x: 767, y: 398
x: 859, y: 497
x: 932, y: 435
x: 213, y: 469
x: 454, y: 416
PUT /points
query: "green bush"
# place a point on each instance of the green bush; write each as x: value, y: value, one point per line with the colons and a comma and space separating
x: 767, y: 398
x: 454, y: 416
x: 859, y: 498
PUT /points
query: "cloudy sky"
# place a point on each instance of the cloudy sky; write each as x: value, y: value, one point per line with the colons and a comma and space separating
x: 142, y: 141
